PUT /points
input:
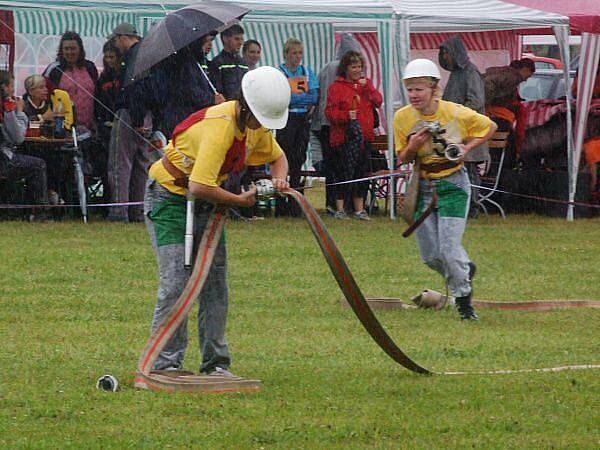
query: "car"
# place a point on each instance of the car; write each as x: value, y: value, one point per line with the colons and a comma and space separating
x: 543, y: 62
x: 545, y: 84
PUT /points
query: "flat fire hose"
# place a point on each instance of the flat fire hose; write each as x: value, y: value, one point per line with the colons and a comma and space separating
x: 206, y: 251
x: 145, y: 378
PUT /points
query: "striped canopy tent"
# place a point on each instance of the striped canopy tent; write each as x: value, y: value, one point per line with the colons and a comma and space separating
x: 584, y: 17
x: 271, y: 22
x: 499, y: 21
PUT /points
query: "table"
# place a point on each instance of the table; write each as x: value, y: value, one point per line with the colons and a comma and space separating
x: 71, y: 147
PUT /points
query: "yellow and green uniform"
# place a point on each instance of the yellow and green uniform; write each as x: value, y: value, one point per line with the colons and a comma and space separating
x: 440, y: 236
x: 459, y: 123
x: 206, y: 147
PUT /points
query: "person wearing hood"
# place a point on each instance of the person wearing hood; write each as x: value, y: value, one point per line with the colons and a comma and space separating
x: 320, y: 125
x: 465, y: 87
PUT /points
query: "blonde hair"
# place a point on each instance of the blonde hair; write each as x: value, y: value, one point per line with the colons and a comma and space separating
x: 434, y: 83
x: 33, y: 81
x: 290, y: 43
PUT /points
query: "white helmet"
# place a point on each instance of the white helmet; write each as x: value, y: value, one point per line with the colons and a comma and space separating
x: 268, y: 93
x: 421, y: 68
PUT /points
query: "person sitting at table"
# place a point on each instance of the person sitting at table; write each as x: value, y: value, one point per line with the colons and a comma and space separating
x: 38, y: 107
x: 13, y: 165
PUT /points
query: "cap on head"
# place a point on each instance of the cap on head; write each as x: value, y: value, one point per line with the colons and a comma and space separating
x: 418, y: 68
x: 124, y: 29
x: 267, y: 92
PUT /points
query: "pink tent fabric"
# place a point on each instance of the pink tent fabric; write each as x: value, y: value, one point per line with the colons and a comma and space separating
x: 584, y: 15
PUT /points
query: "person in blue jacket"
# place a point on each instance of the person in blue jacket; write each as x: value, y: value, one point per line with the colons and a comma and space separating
x: 293, y: 139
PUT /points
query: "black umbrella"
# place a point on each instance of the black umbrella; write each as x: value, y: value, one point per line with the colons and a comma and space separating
x: 179, y: 29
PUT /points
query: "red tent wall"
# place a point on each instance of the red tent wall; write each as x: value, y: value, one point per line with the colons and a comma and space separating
x: 7, y: 38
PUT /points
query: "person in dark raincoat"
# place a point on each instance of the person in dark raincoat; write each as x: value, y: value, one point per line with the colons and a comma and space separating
x: 465, y: 87
x: 180, y: 88
x: 128, y: 156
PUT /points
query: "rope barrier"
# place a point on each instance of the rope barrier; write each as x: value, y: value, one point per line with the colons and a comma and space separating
x: 357, y: 180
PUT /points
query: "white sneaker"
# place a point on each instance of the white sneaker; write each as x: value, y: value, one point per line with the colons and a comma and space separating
x: 220, y: 372
x: 341, y: 215
x: 361, y: 215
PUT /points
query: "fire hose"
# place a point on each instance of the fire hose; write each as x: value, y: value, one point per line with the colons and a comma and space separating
x: 355, y: 298
x: 181, y: 309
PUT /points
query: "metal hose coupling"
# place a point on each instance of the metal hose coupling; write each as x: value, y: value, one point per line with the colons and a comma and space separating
x: 264, y: 189
x: 453, y: 152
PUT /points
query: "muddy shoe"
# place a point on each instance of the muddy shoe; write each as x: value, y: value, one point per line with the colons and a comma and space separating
x: 465, y: 308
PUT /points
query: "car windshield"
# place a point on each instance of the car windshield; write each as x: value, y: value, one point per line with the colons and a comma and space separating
x: 549, y: 85
x: 536, y: 88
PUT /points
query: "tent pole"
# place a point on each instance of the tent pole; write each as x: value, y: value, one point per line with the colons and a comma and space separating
x: 562, y: 38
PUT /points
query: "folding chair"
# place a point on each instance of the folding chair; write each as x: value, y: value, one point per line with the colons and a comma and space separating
x: 378, y: 189
x: 497, y: 144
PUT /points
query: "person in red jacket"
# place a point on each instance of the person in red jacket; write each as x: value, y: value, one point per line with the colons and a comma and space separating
x: 350, y: 103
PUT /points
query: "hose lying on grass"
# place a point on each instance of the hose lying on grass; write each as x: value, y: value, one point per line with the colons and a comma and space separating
x: 352, y: 293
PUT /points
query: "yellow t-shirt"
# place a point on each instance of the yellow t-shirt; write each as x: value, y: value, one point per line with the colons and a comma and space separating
x: 458, y: 122
x: 202, y: 150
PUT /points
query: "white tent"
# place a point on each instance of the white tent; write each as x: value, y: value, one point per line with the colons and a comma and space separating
x: 394, y: 19
x: 416, y: 16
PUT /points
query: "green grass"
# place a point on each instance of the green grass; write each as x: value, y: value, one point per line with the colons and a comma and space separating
x: 76, y: 302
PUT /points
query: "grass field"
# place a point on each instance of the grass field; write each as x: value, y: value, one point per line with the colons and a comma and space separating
x: 76, y: 302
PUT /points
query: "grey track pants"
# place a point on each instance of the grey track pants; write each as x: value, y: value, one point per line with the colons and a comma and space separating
x: 213, y: 299
x: 440, y: 236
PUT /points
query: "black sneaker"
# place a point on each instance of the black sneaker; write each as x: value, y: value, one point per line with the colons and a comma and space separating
x: 465, y: 309
x: 472, y: 271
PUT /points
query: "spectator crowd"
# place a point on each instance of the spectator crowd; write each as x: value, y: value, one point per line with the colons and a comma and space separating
x: 336, y: 111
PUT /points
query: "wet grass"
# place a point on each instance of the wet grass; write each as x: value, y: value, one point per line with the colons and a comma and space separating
x: 76, y: 303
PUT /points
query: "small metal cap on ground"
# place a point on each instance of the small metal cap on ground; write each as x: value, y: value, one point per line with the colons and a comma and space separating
x: 107, y: 383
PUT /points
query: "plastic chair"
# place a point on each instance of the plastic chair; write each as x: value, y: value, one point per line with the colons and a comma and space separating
x: 497, y: 143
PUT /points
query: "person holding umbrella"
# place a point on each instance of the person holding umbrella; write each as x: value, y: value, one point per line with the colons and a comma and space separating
x: 180, y: 88
x: 171, y: 59
x: 206, y: 147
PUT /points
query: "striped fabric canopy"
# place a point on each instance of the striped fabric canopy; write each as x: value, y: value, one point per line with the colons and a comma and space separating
x: 476, y: 15
x: 313, y: 10
x: 272, y: 21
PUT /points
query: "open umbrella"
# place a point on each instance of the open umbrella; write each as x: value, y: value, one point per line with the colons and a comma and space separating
x: 180, y: 28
